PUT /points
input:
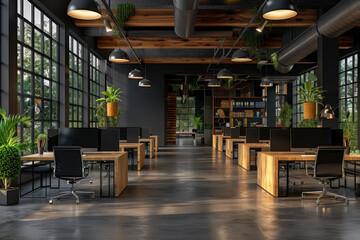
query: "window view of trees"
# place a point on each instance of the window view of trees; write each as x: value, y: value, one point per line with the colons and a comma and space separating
x: 76, y: 83
x: 38, y: 69
x: 185, y: 114
x: 348, y: 97
x: 94, y: 88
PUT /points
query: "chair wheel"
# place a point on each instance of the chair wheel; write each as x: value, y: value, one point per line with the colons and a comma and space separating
x: 91, y: 181
x: 50, y: 201
x: 317, y: 202
x: 77, y: 201
x: 93, y: 196
x: 294, y: 183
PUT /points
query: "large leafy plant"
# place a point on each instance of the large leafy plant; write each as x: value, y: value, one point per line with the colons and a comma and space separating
x: 198, y: 123
x: 10, y: 164
x: 310, y: 94
x: 8, y: 130
x: 286, y: 115
x: 111, y: 94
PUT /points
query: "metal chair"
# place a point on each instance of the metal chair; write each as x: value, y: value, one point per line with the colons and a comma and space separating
x: 329, y: 166
x: 69, y: 166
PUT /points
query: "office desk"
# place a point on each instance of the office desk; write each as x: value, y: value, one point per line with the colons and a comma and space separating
x: 156, y: 138
x: 244, y: 149
x: 268, y: 168
x: 230, y: 145
x: 140, y: 148
x: 214, y: 140
x: 151, y: 142
x: 120, y: 165
x: 220, y: 142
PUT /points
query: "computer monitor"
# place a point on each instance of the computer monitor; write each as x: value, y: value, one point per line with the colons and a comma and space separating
x: 337, y: 137
x: 123, y: 133
x: 234, y: 132
x: 86, y: 138
x: 109, y: 139
x: 133, y: 135
x: 264, y: 133
x: 53, y: 135
x: 226, y: 131
x: 310, y: 138
x: 252, y: 135
x: 243, y: 131
x: 280, y: 140
x: 145, y: 133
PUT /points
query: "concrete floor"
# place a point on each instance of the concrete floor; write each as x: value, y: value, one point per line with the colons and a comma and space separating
x: 184, y: 193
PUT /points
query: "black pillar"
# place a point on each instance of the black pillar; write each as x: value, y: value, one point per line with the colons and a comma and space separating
x: 271, y: 99
x: 328, y: 75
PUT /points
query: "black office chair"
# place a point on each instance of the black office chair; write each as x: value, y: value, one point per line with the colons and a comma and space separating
x: 69, y: 166
x: 329, y: 166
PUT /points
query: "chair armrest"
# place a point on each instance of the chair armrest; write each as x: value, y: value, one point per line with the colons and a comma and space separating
x: 308, y: 166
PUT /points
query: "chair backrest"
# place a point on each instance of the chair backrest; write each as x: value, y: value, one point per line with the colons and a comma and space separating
x: 252, y: 135
x: 235, y: 132
x: 329, y: 162
x: 68, y: 162
x: 133, y: 135
x: 280, y: 140
x: 226, y: 131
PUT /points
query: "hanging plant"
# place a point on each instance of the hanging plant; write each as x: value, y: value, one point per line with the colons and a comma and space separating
x: 275, y: 60
x: 114, y: 121
x: 101, y: 115
x: 122, y: 14
x: 229, y: 82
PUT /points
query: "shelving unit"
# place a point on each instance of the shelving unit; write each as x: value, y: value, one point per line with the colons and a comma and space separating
x: 238, y: 111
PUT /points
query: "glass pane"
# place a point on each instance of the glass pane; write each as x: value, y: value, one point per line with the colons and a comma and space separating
x: 46, y: 110
x: 46, y: 88
x: 19, y: 81
x: 27, y: 10
x: 27, y: 84
x: 54, y: 31
x: 19, y: 29
x: 27, y: 34
x: 46, y: 67
x: 349, y: 63
x: 54, y: 71
x: 342, y: 79
x: 54, y: 111
x: 37, y: 87
x: 37, y: 40
x: 37, y: 17
x: 54, y: 51
x: 19, y: 3
x: 342, y: 92
x: 37, y: 64
x: 46, y: 22
x: 54, y: 91
x: 47, y: 46
x: 27, y: 59
x: 19, y: 56
x: 349, y: 77
x: 342, y: 65
x: 350, y: 91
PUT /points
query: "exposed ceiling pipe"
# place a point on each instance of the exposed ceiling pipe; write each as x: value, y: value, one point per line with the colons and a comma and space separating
x: 338, y: 20
x: 185, y: 12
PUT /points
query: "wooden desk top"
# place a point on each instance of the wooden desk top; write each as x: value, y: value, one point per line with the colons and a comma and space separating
x: 300, y: 156
x: 146, y: 139
x: 131, y: 145
x: 91, y: 156
x: 254, y: 145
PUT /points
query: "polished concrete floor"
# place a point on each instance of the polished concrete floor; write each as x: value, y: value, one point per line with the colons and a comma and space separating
x: 186, y: 192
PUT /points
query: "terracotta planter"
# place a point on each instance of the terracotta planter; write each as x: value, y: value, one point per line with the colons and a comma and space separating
x: 9, y: 196
x: 41, y: 145
x: 112, y: 109
x: 309, y: 110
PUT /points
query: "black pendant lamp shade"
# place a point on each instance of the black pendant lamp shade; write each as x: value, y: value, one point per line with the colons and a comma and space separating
x: 118, y: 56
x: 224, y: 73
x: 328, y: 112
x: 241, y: 55
x: 265, y: 82
x: 214, y: 83
x: 279, y: 10
x: 135, y: 74
x: 84, y: 9
x: 145, y: 83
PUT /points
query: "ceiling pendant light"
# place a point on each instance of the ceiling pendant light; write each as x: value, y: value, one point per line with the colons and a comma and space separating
x: 266, y: 82
x: 135, y: 74
x: 261, y: 26
x: 224, y: 73
x: 241, y: 55
x: 108, y: 26
x: 214, y: 83
x: 84, y: 9
x: 145, y: 83
x: 279, y: 10
x: 118, y: 56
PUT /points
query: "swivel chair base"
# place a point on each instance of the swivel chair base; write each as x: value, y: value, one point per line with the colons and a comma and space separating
x: 323, y: 193
x: 72, y: 192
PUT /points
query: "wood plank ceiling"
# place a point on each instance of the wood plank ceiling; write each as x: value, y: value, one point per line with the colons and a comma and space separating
x: 152, y: 29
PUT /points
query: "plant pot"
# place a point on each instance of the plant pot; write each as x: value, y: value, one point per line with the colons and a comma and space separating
x: 9, y: 196
x: 40, y: 144
x: 112, y: 109
x: 309, y: 110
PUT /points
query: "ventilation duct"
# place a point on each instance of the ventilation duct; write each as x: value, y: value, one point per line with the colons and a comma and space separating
x: 338, y: 20
x: 185, y: 12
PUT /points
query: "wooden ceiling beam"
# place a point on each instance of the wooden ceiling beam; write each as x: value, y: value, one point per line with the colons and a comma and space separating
x: 205, y: 18
x: 183, y: 61
x: 271, y: 42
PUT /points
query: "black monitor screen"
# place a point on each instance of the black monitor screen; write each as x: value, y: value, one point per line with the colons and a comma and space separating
x: 109, y: 139
x: 337, y: 137
x: 53, y: 135
x: 227, y: 131
x: 280, y: 140
x: 133, y: 135
x: 310, y: 137
x: 234, y: 132
x: 265, y: 133
x: 123, y: 133
x: 252, y: 135
x: 83, y: 137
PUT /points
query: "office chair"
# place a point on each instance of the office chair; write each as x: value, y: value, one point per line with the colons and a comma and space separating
x: 329, y: 166
x: 69, y: 166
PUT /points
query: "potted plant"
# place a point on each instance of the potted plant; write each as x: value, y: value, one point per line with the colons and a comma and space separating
x: 286, y: 115
x: 111, y: 101
x: 10, y: 161
x: 310, y: 96
x: 41, y: 140
x: 198, y: 123
x: 114, y: 121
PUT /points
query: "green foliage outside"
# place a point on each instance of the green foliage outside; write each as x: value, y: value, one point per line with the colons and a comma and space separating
x: 286, y: 115
x: 10, y: 164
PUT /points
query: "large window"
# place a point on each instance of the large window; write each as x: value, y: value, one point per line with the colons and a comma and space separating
x: 94, y: 88
x: 38, y: 69
x: 76, y: 83
x: 348, y: 96
x: 185, y: 114
x: 299, y: 107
